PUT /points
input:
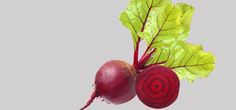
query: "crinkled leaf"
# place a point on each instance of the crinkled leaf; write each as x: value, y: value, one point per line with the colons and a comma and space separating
x: 187, y: 12
x: 138, y: 13
x: 165, y: 26
x: 189, y: 61
x: 171, y: 22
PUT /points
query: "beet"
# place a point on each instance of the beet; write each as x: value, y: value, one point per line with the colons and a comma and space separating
x: 114, y: 82
x: 157, y: 86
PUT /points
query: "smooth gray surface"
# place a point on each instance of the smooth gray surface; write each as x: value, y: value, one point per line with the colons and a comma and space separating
x: 50, y: 51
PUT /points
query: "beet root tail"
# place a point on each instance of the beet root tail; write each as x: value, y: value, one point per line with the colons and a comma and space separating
x: 92, y: 97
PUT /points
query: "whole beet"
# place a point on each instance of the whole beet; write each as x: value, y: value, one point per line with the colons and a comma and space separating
x: 114, y: 82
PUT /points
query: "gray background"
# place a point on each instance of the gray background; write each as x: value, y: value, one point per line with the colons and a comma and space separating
x: 50, y: 51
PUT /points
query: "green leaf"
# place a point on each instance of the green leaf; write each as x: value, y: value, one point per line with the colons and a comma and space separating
x: 138, y: 13
x: 171, y: 22
x: 187, y: 12
x: 189, y: 61
x: 165, y: 27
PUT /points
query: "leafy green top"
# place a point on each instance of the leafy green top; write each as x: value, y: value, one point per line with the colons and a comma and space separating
x: 165, y: 26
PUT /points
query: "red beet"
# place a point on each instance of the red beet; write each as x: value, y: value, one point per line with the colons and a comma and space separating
x: 157, y: 86
x: 115, y: 82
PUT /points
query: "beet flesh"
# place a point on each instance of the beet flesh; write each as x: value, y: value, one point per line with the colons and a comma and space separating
x: 114, y: 82
x: 157, y: 86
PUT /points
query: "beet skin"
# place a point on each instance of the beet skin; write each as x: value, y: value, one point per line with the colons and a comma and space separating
x: 114, y: 82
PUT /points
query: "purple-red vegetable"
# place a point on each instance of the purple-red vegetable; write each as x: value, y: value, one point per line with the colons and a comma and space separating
x: 115, y: 82
x: 164, y: 26
x: 157, y: 86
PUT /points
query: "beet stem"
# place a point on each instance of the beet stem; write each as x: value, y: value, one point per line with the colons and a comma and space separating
x: 136, y: 51
x: 92, y: 97
x: 143, y: 60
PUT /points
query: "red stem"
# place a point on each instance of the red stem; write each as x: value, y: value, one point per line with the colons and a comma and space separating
x: 144, y: 59
x: 136, y: 51
x: 92, y: 97
x: 136, y: 62
x: 145, y: 53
